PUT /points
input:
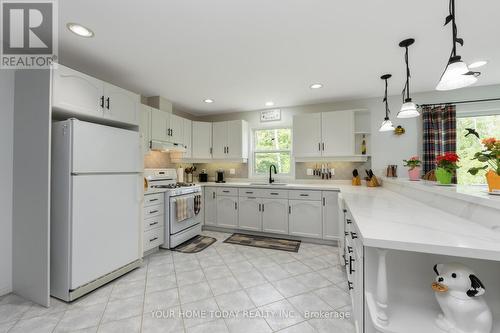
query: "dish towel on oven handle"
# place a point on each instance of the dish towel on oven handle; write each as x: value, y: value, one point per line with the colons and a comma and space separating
x: 184, y: 208
x: 197, y: 204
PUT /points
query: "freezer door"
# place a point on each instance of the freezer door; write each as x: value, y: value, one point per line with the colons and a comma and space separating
x: 101, y: 149
x: 105, y: 224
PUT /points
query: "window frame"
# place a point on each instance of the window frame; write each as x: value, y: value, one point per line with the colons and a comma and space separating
x: 254, y: 152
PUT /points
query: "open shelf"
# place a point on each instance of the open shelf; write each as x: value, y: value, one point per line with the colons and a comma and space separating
x: 411, y: 317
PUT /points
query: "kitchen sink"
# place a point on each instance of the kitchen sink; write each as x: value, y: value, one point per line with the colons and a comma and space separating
x: 265, y: 184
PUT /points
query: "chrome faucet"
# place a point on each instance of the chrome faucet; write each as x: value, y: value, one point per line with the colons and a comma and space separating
x: 271, y: 180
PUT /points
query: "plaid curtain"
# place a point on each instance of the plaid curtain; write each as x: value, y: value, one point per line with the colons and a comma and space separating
x: 439, y: 133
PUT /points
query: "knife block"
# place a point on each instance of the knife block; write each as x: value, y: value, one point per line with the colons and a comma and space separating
x: 356, y: 181
x: 373, y: 182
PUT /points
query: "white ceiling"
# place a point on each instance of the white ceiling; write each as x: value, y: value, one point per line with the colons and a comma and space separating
x: 242, y: 53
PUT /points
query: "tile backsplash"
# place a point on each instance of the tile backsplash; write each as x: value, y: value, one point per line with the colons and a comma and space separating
x: 157, y: 160
x: 343, y: 170
x: 241, y: 169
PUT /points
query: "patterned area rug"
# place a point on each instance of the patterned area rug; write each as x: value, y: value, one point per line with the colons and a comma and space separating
x: 264, y: 242
x: 196, y: 244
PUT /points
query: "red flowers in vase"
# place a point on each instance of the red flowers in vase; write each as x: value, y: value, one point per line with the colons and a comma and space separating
x: 448, y: 161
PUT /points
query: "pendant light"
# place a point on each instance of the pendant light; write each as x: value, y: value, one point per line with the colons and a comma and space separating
x: 387, y: 123
x: 409, y: 109
x: 456, y: 74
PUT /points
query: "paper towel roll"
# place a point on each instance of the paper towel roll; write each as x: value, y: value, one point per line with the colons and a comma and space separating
x: 180, y: 175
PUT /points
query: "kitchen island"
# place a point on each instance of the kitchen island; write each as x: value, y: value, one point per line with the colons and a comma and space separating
x: 391, y: 241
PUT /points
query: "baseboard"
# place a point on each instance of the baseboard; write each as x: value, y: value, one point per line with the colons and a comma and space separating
x: 266, y: 234
x: 5, y: 290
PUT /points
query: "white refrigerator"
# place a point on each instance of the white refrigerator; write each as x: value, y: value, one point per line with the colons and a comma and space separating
x: 97, y: 190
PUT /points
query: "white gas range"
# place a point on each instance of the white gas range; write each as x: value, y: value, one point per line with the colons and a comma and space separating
x: 182, y: 204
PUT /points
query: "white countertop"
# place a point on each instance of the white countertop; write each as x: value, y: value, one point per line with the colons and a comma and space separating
x: 477, y: 194
x: 389, y: 220
x: 386, y: 219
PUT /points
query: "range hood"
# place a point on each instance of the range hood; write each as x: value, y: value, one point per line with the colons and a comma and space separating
x: 166, y: 146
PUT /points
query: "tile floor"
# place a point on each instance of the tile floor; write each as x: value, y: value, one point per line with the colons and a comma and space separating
x: 225, y: 288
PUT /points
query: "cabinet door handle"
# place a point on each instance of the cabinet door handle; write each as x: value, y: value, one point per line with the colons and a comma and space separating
x: 235, y: 205
x: 107, y: 103
x: 259, y: 208
x: 289, y: 209
x: 319, y: 146
x: 274, y: 193
x: 346, y: 233
x: 228, y: 149
x: 225, y: 191
x: 349, y: 249
x: 154, y: 223
x: 324, y: 201
x: 102, y: 101
x: 349, y: 221
x: 262, y: 207
x: 249, y: 192
x: 351, y: 261
x: 349, y: 283
x: 153, y: 211
x: 153, y: 239
x: 151, y: 200
x: 345, y: 210
x: 304, y: 195
x: 213, y: 195
x: 211, y: 150
x: 354, y: 235
x: 323, y: 146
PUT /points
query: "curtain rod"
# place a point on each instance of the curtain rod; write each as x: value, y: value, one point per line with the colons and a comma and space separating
x: 463, y: 102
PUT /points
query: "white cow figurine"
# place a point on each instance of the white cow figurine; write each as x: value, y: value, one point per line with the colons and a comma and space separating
x: 460, y: 294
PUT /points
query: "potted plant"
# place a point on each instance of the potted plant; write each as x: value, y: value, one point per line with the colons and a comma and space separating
x: 414, y: 167
x: 490, y: 155
x: 446, y: 167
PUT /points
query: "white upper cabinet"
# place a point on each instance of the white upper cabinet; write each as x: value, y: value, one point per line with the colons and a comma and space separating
x: 77, y: 93
x: 175, y: 128
x: 337, y: 131
x: 230, y: 140
x: 307, y: 135
x: 219, y: 135
x: 159, y: 125
x: 237, y: 139
x: 327, y: 134
x: 186, y: 137
x: 120, y: 104
x: 145, y: 127
x: 81, y: 95
x: 202, y: 140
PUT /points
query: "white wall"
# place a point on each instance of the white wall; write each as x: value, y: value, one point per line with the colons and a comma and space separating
x: 6, y: 147
x: 387, y: 148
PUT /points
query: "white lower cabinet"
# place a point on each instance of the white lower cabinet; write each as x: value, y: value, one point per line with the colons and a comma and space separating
x: 303, y: 213
x: 153, y: 221
x: 227, y: 211
x: 210, y: 206
x: 305, y: 218
x: 275, y: 215
x: 330, y: 215
x: 249, y: 212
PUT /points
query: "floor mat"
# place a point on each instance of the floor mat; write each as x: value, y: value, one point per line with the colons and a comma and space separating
x: 196, y: 244
x: 264, y: 242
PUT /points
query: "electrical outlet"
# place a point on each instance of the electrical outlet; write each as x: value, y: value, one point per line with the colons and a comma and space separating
x: 309, y: 172
x: 332, y: 170
x: 232, y: 171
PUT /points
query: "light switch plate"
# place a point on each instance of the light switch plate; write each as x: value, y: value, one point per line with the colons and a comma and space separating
x: 232, y: 171
x: 309, y: 172
x: 332, y: 170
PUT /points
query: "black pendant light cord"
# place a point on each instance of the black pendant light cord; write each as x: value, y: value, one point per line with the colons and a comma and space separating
x: 387, y: 111
x: 406, y: 89
x: 454, y: 29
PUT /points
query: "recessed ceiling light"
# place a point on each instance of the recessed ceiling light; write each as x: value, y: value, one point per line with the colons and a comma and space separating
x: 316, y: 86
x: 270, y: 103
x: 208, y: 101
x: 80, y: 30
x: 477, y: 64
